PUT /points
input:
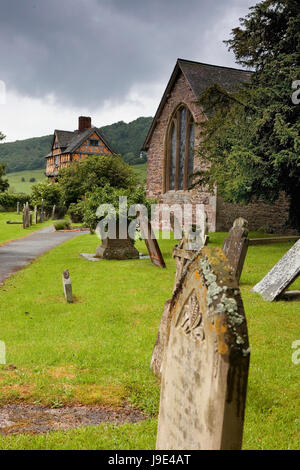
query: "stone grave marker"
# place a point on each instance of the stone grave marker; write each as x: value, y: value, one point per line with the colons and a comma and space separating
x: 18, y: 208
x: 206, y: 361
x: 281, y: 276
x: 26, y: 216
x: 236, y: 246
x: 150, y: 241
x: 67, y: 286
x: 182, y: 255
x: 35, y: 215
x: 53, y: 212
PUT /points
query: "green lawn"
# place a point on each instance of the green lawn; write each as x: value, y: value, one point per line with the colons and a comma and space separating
x: 16, y: 185
x: 11, y: 232
x: 98, y: 350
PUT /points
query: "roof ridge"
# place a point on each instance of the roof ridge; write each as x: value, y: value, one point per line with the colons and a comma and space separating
x: 213, y: 65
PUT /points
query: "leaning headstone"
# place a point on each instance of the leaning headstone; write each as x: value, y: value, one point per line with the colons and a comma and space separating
x: 206, y: 361
x: 281, y: 276
x: 236, y: 246
x: 67, y: 286
x: 150, y: 241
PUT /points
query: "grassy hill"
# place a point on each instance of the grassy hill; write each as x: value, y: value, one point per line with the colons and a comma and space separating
x: 29, y: 154
x: 19, y: 182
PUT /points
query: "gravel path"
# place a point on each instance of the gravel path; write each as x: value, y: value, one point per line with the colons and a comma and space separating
x: 19, y: 253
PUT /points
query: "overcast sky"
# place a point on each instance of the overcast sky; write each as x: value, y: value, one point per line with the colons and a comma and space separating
x: 109, y: 59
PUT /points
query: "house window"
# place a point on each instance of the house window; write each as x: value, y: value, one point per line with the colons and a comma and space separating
x: 94, y: 142
x: 180, y: 150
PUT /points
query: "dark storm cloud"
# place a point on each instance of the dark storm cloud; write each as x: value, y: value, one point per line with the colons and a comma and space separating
x: 89, y: 51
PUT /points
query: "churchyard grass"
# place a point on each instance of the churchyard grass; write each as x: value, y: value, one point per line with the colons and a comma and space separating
x: 12, y: 232
x: 98, y: 350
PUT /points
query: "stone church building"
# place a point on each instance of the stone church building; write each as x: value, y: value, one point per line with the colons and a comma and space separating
x: 174, y: 134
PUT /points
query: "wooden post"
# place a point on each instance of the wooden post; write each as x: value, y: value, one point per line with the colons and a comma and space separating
x: 67, y: 286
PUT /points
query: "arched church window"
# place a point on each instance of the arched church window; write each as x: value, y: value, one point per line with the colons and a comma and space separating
x: 180, y: 150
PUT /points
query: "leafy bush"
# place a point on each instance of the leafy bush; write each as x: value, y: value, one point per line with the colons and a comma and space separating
x: 96, y: 171
x: 110, y: 195
x: 62, y: 224
x: 76, y: 212
x: 52, y: 195
x: 8, y: 201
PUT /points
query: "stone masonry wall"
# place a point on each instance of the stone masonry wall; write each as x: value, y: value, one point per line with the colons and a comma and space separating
x: 180, y: 94
x: 220, y: 214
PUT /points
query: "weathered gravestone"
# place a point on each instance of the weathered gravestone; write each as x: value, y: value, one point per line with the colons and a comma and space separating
x: 182, y: 255
x: 18, y: 208
x: 35, y: 215
x: 236, y: 246
x: 26, y: 216
x: 206, y: 361
x: 67, y: 286
x: 281, y: 276
x: 117, y: 248
x: 53, y: 212
x: 150, y: 241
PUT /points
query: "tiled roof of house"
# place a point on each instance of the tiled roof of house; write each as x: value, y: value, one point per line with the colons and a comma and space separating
x: 200, y: 76
x: 70, y: 141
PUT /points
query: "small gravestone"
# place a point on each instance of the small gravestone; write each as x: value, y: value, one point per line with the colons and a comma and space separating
x: 42, y: 212
x: 281, y: 276
x: 236, y: 246
x: 150, y: 241
x: 67, y: 286
x: 35, y: 215
x: 26, y: 216
x: 53, y: 212
x: 18, y: 208
x: 206, y: 361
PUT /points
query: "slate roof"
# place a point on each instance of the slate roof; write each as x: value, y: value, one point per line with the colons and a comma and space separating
x: 199, y: 76
x: 70, y: 141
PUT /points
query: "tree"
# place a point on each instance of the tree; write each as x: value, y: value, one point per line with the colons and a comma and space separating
x: 251, y: 139
x: 96, y: 171
x: 4, y: 185
x: 50, y: 192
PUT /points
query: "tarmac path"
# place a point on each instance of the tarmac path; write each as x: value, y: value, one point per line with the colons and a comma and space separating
x: 17, y: 254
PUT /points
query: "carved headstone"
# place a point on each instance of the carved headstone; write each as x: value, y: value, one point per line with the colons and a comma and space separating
x: 67, y: 286
x: 182, y: 255
x: 236, y: 246
x: 205, y: 364
x: 281, y: 276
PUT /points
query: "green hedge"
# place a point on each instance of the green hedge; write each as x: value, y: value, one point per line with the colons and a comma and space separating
x: 8, y: 201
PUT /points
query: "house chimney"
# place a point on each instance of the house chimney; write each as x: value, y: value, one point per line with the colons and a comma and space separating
x: 84, y: 123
